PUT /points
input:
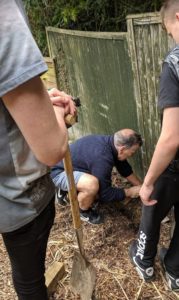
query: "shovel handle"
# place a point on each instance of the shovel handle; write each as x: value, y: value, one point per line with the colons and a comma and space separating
x: 70, y: 120
x: 72, y: 189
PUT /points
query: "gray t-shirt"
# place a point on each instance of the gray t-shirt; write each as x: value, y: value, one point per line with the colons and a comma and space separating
x: 26, y: 187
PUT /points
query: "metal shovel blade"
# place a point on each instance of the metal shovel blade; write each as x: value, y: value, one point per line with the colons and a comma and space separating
x: 83, y: 276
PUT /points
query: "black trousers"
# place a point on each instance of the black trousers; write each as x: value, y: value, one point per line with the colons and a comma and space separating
x: 27, y: 250
x: 166, y: 192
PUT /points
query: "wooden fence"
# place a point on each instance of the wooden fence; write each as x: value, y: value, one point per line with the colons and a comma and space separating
x: 116, y: 77
x: 148, y: 44
x: 50, y: 78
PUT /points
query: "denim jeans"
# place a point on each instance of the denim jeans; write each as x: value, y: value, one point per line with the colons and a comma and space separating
x: 166, y: 192
x: 26, y: 247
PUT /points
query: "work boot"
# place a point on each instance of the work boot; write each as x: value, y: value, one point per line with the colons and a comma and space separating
x: 147, y: 274
x: 91, y: 216
x: 172, y: 282
x: 62, y: 197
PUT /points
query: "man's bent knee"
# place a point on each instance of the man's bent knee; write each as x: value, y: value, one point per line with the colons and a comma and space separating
x: 88, y: 184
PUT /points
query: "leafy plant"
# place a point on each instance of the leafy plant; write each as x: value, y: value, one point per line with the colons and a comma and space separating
x: 92, y: 15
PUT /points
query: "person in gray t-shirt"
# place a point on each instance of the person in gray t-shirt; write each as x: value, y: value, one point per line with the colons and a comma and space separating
x: 33, y: 136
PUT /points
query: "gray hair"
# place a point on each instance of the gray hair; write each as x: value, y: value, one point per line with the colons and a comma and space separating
x: 128, y: 140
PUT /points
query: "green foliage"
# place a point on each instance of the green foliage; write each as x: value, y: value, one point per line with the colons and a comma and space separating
x: 92, y: 15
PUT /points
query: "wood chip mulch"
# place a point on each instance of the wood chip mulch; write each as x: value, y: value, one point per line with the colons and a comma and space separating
x: 106, y: 247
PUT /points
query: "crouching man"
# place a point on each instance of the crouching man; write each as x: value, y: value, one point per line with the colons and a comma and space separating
x: 93, y: 158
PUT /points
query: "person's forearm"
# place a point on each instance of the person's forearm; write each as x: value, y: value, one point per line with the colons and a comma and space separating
x: 134, y: 180
x: 163, y: 155
x: 32, y: 110
x: 132, y: 192
x: 112, y: 194
x: 59, y: 113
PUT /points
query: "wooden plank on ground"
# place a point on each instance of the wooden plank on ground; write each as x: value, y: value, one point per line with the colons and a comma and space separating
x: 53, y: 274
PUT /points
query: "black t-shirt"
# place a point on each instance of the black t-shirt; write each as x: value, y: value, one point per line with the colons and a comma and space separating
x: 169, y: 88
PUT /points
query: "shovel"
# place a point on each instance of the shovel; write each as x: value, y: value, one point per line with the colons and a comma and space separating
x: 83, y: 275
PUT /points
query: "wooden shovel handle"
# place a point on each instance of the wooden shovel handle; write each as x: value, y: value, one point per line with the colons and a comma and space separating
x: 70, y: 120
x: 72, y: 189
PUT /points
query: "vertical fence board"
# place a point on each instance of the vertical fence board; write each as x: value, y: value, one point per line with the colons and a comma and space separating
x: 137, y: 90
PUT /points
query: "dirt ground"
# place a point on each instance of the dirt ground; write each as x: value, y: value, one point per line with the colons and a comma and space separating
x: 106, y: 248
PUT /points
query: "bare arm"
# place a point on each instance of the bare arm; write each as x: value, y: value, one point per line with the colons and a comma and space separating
x: 165, y: 151
x: 33, y: 112
x: 134, y: 180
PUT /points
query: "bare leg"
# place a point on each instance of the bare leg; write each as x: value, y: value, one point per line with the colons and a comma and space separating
x: 87, y: 187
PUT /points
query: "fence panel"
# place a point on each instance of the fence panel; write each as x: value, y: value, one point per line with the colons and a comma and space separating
x: 96, y: 67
